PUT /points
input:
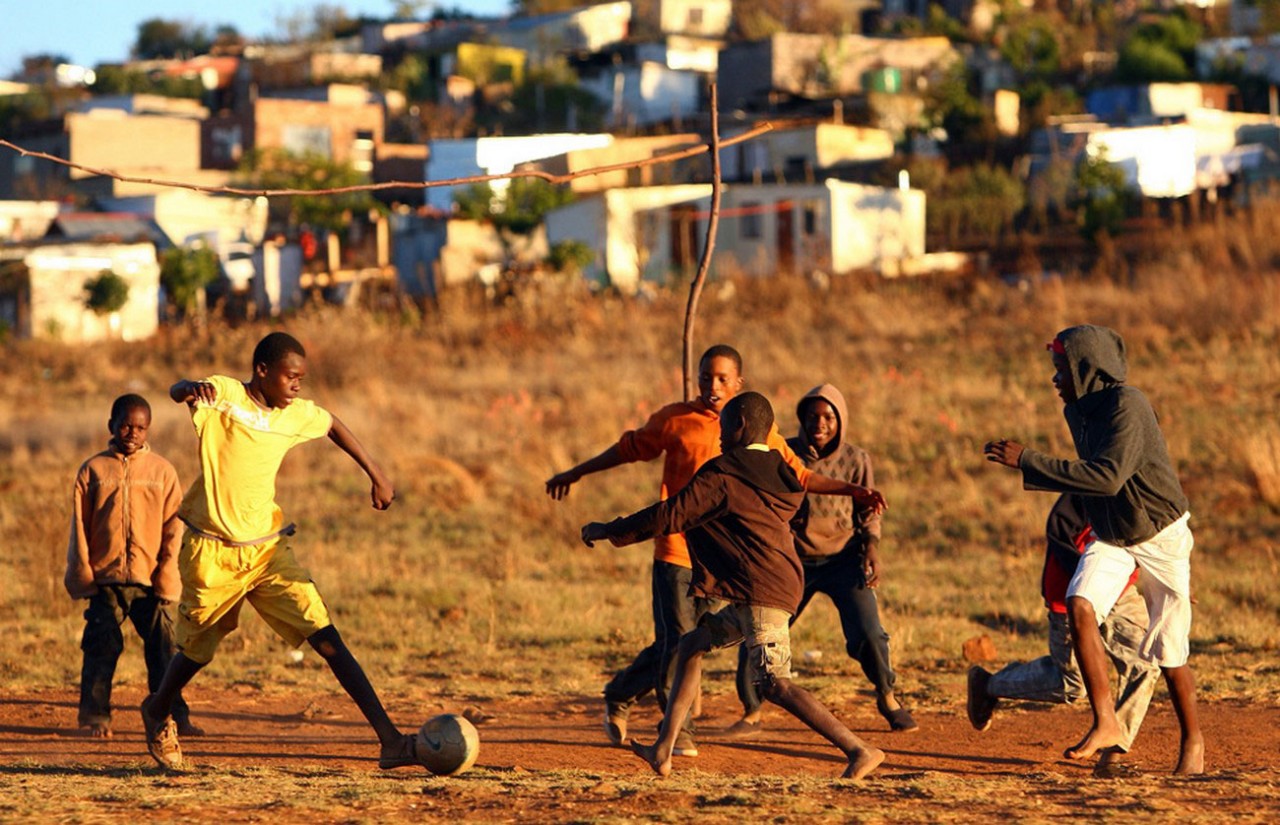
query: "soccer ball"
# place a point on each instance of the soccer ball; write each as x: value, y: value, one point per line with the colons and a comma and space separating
x: 447, y: 744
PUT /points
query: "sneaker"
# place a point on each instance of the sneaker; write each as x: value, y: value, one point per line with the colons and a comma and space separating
x: 162, y: 738
x: 979, y: 705
x: 742, y: 729
x: 685, y: 746
x: 900, y: 719
x: 615, y: 722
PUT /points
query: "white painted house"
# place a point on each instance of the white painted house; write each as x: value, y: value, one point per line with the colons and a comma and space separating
x: 44, y: 296
x: 832, y: 225
x: 638, y: 234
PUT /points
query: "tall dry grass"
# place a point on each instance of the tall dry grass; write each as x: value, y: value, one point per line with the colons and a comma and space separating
x: 474, y: 582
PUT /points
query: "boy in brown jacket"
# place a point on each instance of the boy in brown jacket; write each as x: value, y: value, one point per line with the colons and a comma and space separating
x: 736, y: 513
x: 123, y: 558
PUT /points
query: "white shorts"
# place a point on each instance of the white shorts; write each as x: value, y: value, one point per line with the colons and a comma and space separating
x: 1164, y: 577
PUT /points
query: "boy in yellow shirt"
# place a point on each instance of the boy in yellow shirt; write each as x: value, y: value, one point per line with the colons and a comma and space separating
x: 236, y: 543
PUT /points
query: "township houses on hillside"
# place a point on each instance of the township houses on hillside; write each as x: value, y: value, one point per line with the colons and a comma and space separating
x: 615, y: 85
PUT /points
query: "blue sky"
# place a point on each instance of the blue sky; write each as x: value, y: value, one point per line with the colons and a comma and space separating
x: 101, y: 31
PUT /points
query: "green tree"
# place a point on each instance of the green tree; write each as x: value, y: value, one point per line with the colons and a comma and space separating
x: 185, y: 272
x: 106, y: 293
x: 278, y: 169
x: 159, y: 38
x: 1162, y: 49
x: 517, y: 213
x: 117, y: 80
x: 1102, y: 193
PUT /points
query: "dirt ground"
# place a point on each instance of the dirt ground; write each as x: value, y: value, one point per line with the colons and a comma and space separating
x: 279, y: 757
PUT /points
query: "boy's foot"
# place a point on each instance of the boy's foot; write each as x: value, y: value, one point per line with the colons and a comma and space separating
x: 863, y: 762
x: 685, y: 745
x: 979, y: 705
x: 1191, y: 758
x: 162, y: 738
x: 97, y: 730
x: 1097, y: 739
x: 398, y: 754
x: 188, y: 728
x: 742, y: 729
x: 615, y: 723
x: 649, y: 753
x: 899, y: 718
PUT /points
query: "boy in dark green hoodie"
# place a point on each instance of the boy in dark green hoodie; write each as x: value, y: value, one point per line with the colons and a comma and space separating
x: 1138, y: 512
x: 838, y: 543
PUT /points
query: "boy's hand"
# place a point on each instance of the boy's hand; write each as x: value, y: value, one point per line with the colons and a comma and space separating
x: 593, y: 532
x: 382, y: 494
x: 193, y: 392
x: 872, y: 499
x: 558, y: 485
x: 871, y: 563
x: 1004, y: 451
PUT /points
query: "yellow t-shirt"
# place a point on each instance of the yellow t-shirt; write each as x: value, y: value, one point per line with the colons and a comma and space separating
x: 241, y: 447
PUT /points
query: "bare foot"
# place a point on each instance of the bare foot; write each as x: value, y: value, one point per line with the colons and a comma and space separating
x: 649, y: 753
x: 398, y: 753
x: 863, y: 762
x: 189, y: 728
x: 1191, y: 758
x: 98, y: 730
x: 1095, y: 740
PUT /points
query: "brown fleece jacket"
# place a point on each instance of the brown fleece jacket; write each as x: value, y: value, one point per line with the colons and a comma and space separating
x: 124, y: 525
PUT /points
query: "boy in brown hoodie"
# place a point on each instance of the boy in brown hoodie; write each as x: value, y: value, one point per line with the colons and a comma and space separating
x: 735, y: 513
x: 838, y: 542
x: 123, y: 558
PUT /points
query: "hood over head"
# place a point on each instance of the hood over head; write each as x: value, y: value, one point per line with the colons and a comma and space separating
x: 833, y: 396
x: 1096, y: 357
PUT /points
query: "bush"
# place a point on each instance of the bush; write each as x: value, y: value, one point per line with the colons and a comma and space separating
x: 106, y: 293
x: 184, y: 272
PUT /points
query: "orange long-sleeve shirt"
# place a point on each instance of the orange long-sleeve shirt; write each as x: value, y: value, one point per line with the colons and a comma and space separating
x: 687, y: 435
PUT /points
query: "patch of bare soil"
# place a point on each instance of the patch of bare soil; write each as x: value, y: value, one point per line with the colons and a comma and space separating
x: 286, y: 756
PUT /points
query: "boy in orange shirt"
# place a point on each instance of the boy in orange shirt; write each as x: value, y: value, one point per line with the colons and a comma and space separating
x: 123, y: 558
x: 687, y: 435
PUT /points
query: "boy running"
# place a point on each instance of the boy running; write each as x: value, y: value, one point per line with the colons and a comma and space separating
x: 1056, y: 677
x: 686, y: 434
x: 736, y: 513
x: 235, y: 548
x: 123, y: 558
x: 1139, y: 517
x: 838, y: 543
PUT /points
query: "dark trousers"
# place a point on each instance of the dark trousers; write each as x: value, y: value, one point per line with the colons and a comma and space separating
x: 842, y: 579
x: 675, y: 613
x: 103, y: 642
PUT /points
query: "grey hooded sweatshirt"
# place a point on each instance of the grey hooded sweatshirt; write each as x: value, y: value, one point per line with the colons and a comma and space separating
x: 827, y: 525
x: 1124, y: 472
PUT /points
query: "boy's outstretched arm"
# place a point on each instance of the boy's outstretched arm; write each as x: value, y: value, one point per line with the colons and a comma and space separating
x: 383, y: 493
x: 864, y: 496
x: 558, y: 485
x: 189, y: 392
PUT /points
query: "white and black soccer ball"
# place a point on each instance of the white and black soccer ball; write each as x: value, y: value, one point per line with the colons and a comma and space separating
x: 447, y: 744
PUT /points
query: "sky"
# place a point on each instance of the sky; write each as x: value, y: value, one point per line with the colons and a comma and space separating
x: 101, y: 31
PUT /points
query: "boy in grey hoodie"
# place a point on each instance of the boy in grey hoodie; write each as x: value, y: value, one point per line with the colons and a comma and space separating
x: 1138, y: 512
x: 838, y: 543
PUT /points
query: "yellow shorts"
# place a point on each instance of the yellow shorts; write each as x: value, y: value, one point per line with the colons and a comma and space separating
x: 216, y: 581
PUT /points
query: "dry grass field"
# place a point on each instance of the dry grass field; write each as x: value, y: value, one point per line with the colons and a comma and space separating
x: 472, y: 588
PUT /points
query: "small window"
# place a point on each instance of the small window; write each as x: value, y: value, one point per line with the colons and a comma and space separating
x: 695, y: 18
x: 812, y: 211
x: 751, y: 220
